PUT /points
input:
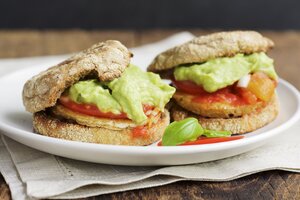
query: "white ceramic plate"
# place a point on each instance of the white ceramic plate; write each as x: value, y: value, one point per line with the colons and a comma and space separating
x: 16, y: 123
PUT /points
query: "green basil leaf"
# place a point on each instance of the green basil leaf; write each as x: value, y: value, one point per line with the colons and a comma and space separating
x: 179, y: 132
x: 212, y: 133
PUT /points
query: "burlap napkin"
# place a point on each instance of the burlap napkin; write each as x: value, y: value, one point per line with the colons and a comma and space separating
x: 34, y: 174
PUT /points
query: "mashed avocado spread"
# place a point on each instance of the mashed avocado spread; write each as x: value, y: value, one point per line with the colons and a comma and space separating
x: 221, y: 72
x: 126, y: 94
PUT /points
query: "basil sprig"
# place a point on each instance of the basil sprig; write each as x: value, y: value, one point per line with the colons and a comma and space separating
x: 189, y: 129
x: 179, y: 132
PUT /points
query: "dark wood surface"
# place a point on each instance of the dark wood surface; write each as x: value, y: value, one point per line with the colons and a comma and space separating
x: 264, y: 185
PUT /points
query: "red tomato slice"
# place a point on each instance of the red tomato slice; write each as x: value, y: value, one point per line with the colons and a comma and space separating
x: 93, y: 110
x: 189, y: 87
x: 230, y: 94
x: 225, y: 95
x: 261, y: 86
x: 212, y: 140
x: 147, y: 108
x: 139, y: 131
x: 204, y: 140
x: 246, y: 95
x: 89, y: 109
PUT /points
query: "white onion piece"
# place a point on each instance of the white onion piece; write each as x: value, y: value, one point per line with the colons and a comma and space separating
x: 244, y: 81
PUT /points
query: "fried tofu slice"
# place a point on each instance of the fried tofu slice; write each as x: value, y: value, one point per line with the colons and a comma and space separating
x: 91, y: 121
x: 217, y: 109
x: 237, y: 125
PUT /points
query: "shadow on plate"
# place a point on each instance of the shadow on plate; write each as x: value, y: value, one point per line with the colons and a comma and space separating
x: 21, y: 120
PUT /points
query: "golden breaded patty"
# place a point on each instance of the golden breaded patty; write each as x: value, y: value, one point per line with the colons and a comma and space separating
x: 91, y: 121
x: 236, y: 125
x: 217, y: 109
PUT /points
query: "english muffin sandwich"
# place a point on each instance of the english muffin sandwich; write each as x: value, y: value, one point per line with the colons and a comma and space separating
x: 97, y: 96
x: 224, y: 79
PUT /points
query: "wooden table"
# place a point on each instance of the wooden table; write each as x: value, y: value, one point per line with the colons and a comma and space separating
x: 265, y: 185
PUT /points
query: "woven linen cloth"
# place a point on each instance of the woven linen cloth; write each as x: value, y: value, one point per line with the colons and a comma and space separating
x: 32, y: 174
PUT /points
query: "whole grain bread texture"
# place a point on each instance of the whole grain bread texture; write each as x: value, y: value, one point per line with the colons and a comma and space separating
x: 106, y: 60
x: 237, y: 125
x: 49, y: 125
x: 204, y: 48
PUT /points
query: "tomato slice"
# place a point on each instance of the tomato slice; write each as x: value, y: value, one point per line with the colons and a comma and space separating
x: 246, y: 95
x: 139, y: 131
x: 205, y: 140
x: 93, y: 110
x: 189, y: 87
x: 261, y: 86
x: 147, y: 108
x: 212, y: 140
x: 89, y: 109
x: 226, y: 94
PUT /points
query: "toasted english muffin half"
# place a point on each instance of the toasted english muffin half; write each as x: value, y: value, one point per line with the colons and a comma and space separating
x: 106, y: 61
x: 204, y: 48
x: 52, y: 126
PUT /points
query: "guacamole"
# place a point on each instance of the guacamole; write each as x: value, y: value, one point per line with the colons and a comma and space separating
x: 126, y: 94
x: 221, y: 72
